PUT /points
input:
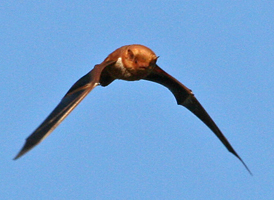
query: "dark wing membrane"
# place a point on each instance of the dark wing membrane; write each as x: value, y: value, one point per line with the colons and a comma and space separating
x: 185, y: 97
x: 73, y: 97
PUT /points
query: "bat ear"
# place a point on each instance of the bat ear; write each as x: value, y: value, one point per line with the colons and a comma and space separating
x: 156, y: 58
x: 130, y: 54
x: 153, y: 62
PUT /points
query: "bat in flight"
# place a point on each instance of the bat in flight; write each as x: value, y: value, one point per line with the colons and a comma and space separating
x: 131, y: 63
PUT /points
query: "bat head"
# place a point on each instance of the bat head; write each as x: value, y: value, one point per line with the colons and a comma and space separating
x: 133, y: 62
x: 138, y: 60
x: 139, y: 57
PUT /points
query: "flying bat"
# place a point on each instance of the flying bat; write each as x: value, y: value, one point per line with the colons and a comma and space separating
x: 130, y: 63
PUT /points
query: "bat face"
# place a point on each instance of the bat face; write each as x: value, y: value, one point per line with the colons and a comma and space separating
x: 133, y: 62
x: 130, y: 62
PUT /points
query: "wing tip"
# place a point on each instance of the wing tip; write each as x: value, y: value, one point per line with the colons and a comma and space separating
x: 235, y: 154
x: 27, y: 146
x: 21, y: 153
x: 18, y: 155
x: 246, y: 167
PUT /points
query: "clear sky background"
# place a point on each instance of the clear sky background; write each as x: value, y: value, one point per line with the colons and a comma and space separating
x: 130, y: 140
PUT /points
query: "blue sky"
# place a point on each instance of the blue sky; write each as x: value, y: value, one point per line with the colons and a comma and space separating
x: 130, y: 140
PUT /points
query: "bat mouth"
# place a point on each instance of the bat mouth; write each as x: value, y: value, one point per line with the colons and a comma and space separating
x: 147, y: 66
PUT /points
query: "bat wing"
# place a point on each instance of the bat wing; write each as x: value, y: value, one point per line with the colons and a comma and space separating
x: 186, y: 98
x: 72, y: 98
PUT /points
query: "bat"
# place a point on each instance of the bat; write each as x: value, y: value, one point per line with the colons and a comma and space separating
x: 130, y: 63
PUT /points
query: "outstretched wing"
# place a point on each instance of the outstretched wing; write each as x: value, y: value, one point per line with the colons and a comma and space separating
x: 72, y: 98
x: 185, y: 97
